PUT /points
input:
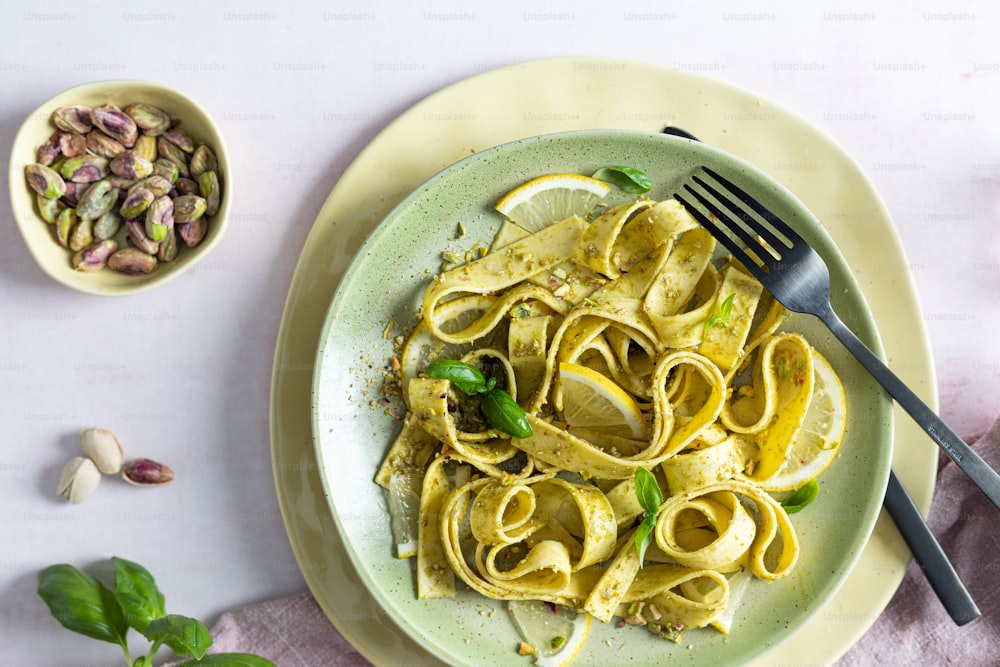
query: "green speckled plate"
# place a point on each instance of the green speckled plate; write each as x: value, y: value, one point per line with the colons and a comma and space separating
x: 384, y: 283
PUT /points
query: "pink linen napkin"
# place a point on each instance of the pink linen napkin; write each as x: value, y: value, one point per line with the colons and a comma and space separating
x: 913, y: 630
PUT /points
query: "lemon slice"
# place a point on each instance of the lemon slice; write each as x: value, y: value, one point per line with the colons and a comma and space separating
x: 593, y: 401
x: 555, y: 633
x: 548, y: 199
x: 817, y: 442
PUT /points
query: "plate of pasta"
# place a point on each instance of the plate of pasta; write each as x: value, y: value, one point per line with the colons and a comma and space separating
x: 555, y: 423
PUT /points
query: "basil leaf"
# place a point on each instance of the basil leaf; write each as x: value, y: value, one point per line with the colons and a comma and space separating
x: 648, y: 491
x: 726, y: 309
x: 466, y: 377
x: 628, y: 179
x: 185, y: 636
x: 644, y: 536
x: 231, y: 660
x: 137, y: 594
x: 82, y: 604
x: 142, y: 661
x: 504, y: 414
x: 801, y: 497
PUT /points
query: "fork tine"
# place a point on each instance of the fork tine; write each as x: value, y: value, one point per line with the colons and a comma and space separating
x: 755, y: 265
x: 777, y: 223
x: 763, y: 231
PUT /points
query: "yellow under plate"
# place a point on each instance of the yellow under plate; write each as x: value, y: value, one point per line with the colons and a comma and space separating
x: 567, y: 94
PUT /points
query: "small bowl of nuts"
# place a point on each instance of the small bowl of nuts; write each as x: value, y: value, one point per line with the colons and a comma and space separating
x: 119, y: 186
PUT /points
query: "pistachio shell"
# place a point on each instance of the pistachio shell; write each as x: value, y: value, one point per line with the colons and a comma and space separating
x: 78, y: 480
x: 103, y: 448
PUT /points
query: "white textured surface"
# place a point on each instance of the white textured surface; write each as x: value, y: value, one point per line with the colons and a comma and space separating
x: 182, y: 374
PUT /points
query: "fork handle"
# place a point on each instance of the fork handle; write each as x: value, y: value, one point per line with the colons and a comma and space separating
x: 960, y: 452
x: 928, y: 553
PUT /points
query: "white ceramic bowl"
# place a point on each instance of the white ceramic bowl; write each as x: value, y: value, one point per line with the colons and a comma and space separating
x: 40, y: 236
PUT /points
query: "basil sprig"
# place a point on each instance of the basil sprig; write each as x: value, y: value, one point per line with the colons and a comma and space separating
x: 801, y: 497
x: 501, y: 411
x: 628, y: 179
x: 647, y: 491
x: 83, y: 604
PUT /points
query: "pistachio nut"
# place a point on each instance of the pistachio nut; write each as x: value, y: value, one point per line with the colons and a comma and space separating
x: 97, y: 200
x: 172, y: 152
x: 45, y: 181
x: 135, y: 230
x: 49, y: 209
x: 203, y: 159
x: 188, y: 208
x: 72, y: 144
x: 131, y: 261
x: 145, y: 146
x: 78, y: 480
x: 94, y: 258
x: 159, y: 218
x: 167, y: 251
x: 166, y: 169
x: 116, y: 124
x: 103, y: 448
x: 208, y: 186
x: 131, y: 164
x: 186, y: 186
x: 153, y: 121
x: 65, y: 223
x: 179, y: 137
x: 193, y: 233
x: 158, y: 185
x: 47, y: 153
x: 76, y: 118
x: 85, y: 168
x: 146, y: 472
x: 101, y: 144
x: 107, y: 225
x: 83, y: 234
x: 73, y: 192
x: 137, y: 200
